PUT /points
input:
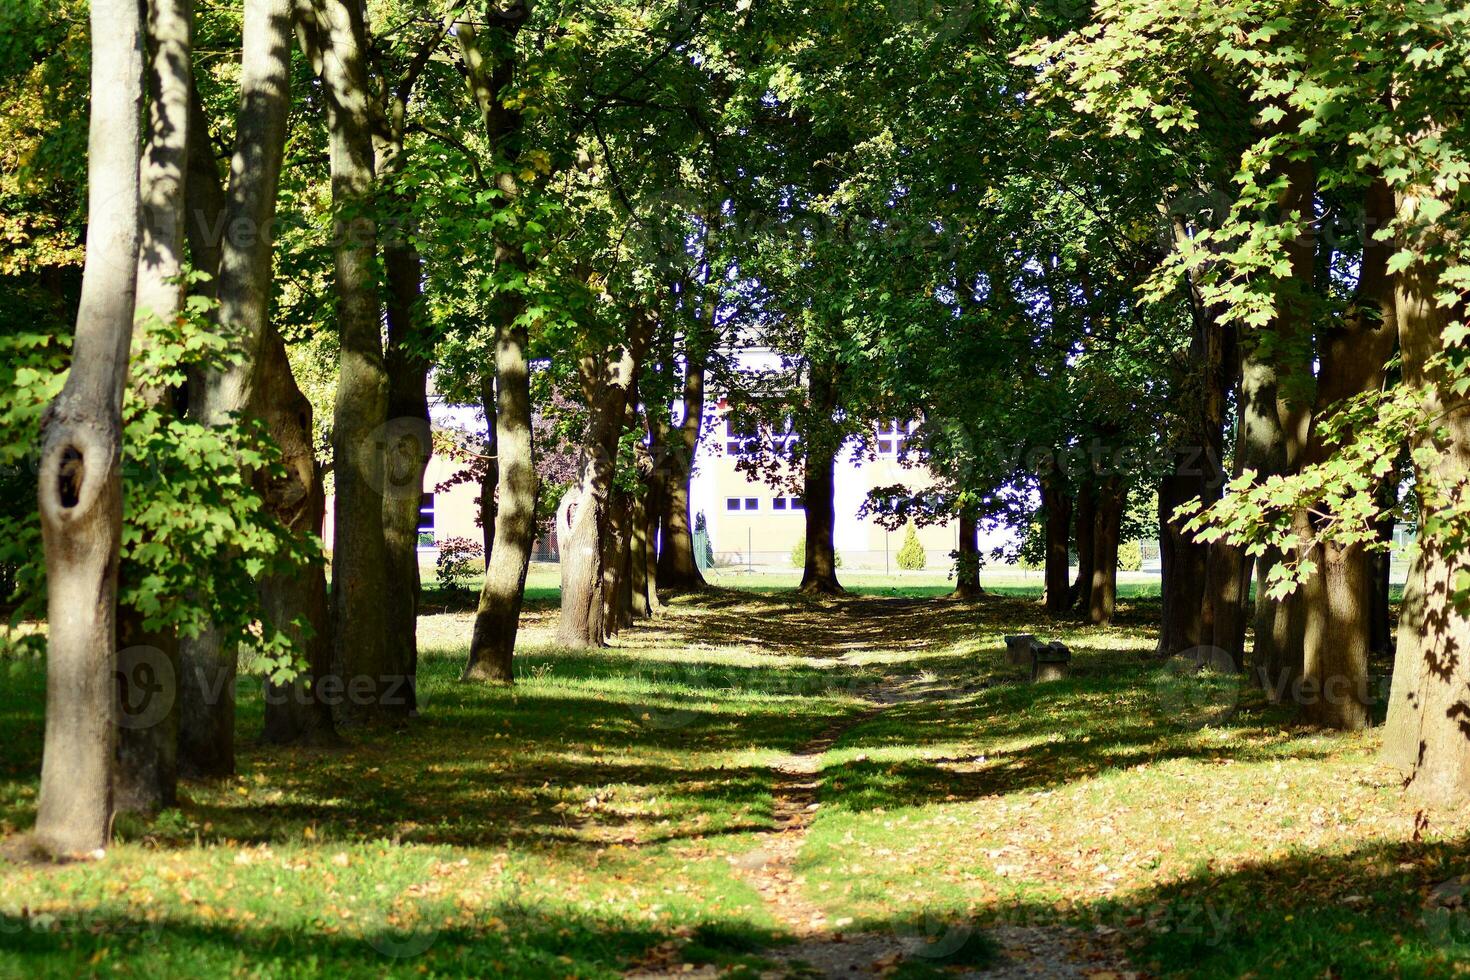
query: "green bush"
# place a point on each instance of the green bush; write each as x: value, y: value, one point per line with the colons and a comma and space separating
x: 1130, y: 556
x: 456, y: 562
x: 798, y: 554
x: 911, y: 555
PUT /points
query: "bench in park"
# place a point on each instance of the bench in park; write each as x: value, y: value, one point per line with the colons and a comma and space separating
x: 1047, y: 661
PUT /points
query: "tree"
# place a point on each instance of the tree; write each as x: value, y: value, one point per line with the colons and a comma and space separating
x: 80, y: 482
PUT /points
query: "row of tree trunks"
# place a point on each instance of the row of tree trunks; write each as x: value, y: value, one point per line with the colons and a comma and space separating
x: 821, y: 444
x: 243, y: 290
x: 80, y: 480
x: 146, y: 779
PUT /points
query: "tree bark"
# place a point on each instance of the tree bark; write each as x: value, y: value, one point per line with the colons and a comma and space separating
x: 617, y: 593
x: 148, y: 660
x: 1103, y: 599
x: 377, y: 682
x: 497, y: 618
x: 80, y: 480
x: 583, y: 515
x: 1184, y: 566
x: 1338, y: 631
x: 298, y: 712
x: 967, y: 557
x: 1056, y: 507
x: 677, y: 568
x: 243, y: 288
x: 1428, y: 732
x: 1086, y: 521
x: 819, y: 571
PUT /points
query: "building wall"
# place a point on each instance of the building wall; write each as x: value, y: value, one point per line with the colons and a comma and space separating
x: 766, y: 535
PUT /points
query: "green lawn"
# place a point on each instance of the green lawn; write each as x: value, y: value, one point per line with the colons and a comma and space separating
x: 594, y: 817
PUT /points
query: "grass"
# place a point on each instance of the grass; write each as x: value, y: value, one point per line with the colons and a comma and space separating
x: 586, y: 820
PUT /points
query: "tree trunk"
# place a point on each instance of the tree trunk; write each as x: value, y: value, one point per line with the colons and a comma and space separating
x: 1339, y: 620
x: 967, y: 557
x: 1103, y: 599
x: 583, y: 515
x: 409, y: 444
x: 377, y: 681
x: 1057, y: 508
x: 1428, y: 733
x: 677, y: 567
x: 819, y: 570
x: 243, y: 287
x: 491, y: 474
x: 80, y: 484
x: 1184, y: 567
x: 616, y: 594
x: 1086, y: 521
x: 298, y: 712
x: 497, y: 619
x: 638, y: 561
x: 147, y: 760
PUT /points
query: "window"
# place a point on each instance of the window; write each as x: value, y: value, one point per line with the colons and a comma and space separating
x: 426, y: 521
x: 796, y: 504
x: 778, y: 503
x: 885, y: 445
x: 732, y: 503
x: 752, y: 503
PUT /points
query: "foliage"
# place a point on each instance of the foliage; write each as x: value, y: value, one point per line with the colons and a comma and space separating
x: 456, y: 562
x: 911, y: 554
x: 1130, y: 556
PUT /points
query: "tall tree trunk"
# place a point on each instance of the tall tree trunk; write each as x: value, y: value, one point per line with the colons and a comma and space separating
x: 1184, y: 564
x: 513, y: 504
x: 677, y: 567
x: 298, y: 712
x: 491, y: 474
x: 967, y: 557
x: 1339, y: 620
x: 819, y: 571
x: 497, y: 618
x: 148, y: 660
x: 1086, y: 521
x: 80, y: 480
x: 243, y: 287
x: 1103, y: 599
x: 583, y: 515
x: 1429, y: 711
x: 616, y: 594
x: 408, y: 445
x: 1280, y: 626
x: 1056, y: 507
x: 377, y: 683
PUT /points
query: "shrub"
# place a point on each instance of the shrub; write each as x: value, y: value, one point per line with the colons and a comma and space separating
x: 911, y: 555
x: 1130, y: 556
x: 456, y: 562
x: 798, y: 554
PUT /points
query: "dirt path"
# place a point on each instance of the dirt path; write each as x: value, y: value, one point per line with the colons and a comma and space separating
x: 822, y: 948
